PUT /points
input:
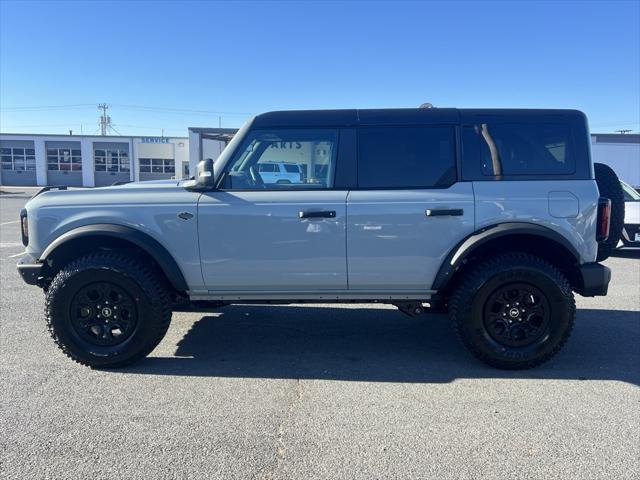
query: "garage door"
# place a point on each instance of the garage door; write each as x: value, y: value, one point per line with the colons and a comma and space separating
x: 18, y: 161
x: 64, y: 164
x: 156, y: 160
x: 112, y: 163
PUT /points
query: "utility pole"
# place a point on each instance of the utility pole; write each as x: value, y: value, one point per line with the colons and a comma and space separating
x: 105, y: 120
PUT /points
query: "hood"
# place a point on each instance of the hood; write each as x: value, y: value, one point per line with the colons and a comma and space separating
x: 146, y: 184
x: 153, y: 191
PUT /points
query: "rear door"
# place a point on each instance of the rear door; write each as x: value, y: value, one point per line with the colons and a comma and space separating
x: 408, y: 211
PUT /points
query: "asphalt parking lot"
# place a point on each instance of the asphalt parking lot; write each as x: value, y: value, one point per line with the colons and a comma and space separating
x: 335, y: 391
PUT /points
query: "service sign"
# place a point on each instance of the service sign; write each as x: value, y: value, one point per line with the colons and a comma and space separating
x: 155, y: 140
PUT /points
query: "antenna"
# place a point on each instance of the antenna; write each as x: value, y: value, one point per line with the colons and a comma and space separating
x: 105, y: 120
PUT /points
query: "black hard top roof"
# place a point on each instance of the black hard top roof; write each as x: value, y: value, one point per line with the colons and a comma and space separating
x: 401, y: 116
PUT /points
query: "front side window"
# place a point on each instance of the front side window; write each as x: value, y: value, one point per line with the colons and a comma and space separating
x: 276, y: 159
x: 64, y: 159
x: 525, y: 149
x: 406, y: 157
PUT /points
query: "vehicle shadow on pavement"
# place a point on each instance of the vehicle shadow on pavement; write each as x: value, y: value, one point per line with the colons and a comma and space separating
x: 380, y: 345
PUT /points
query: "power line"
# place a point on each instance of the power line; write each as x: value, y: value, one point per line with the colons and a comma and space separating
x: 146, y: 108
x: 180, y: 110
x: 46, y: 107
x: 112, y: 128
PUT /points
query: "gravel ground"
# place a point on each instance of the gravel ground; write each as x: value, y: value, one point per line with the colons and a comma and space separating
x: 335, y: 391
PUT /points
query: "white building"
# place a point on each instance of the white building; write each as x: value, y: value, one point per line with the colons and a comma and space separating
x: 83, y: 160
x: 620, y: 152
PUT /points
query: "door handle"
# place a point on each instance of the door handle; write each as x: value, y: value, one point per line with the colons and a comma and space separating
x: 443, y: 212
x: 321, y: 214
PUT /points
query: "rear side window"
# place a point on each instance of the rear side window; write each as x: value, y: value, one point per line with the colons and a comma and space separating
x: 289, y: 168
x: 508, y: 149
x: 406, y: 157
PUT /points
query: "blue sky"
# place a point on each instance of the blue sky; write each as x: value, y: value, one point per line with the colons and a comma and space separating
x: 210, y: 59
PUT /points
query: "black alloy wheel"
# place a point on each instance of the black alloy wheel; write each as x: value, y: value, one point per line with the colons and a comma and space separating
x: 103, y: 314
x: 517, y: 315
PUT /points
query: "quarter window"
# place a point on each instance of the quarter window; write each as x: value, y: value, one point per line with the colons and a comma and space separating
x: 525, y: 149
x: 406, y: 157
x: 18, y: 159
x: 64, y: 159
x: 258, y: 163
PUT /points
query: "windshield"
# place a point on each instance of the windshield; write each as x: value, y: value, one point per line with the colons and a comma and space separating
x: 230, y: 148
x: 630, y: 195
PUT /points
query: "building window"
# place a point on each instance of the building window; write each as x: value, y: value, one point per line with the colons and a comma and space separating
x: 18, y: 159
x: 111, y: 160
x: 156, y: 165
x: 64, y: 159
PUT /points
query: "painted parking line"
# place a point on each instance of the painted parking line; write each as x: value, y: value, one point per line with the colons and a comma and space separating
x: 9, y: 223
x: 17, y: 255
x: 9, y: 245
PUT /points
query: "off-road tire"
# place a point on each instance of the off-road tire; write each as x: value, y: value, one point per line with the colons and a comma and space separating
x: 467, y: 306
x: 149, y: 294
x: 609, y: 186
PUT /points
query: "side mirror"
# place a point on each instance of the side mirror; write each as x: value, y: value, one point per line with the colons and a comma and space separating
x: 205, y: 177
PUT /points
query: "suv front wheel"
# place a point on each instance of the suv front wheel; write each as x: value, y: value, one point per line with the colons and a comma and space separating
x: 514, y: 311
x: 107, y: 310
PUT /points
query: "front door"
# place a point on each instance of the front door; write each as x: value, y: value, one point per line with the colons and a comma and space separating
x: 408, y: 211
x: 257, y: 235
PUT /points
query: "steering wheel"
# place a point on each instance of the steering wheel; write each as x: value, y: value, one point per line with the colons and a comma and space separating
x: 255, y: 177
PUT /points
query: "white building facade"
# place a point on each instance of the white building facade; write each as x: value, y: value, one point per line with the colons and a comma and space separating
x: 620, y: 152
x: 90, y: 161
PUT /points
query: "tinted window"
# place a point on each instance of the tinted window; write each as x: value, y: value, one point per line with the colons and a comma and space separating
x: 267, y: 167
x: 525, y: 149
x: 291, y: 168
x: 406, y: 157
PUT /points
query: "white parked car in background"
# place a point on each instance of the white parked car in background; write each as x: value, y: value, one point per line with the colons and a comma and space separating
x: 280, y: 172
x: 631, y: 230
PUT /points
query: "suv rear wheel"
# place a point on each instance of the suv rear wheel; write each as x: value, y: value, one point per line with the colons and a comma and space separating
x: 514, y: 311
x: 107, y: 310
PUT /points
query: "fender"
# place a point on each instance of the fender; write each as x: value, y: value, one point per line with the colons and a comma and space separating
x: 147, y: 243
x: 466, y: 247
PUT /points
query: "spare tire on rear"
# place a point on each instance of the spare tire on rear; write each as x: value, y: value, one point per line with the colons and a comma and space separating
x: 609, y: 186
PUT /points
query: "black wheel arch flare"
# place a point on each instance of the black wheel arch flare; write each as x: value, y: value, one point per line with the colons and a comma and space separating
x: 142, y: 240
x: 463, y: 250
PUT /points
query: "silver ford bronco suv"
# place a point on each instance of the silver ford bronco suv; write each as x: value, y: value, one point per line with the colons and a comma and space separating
x: 493, y: 216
